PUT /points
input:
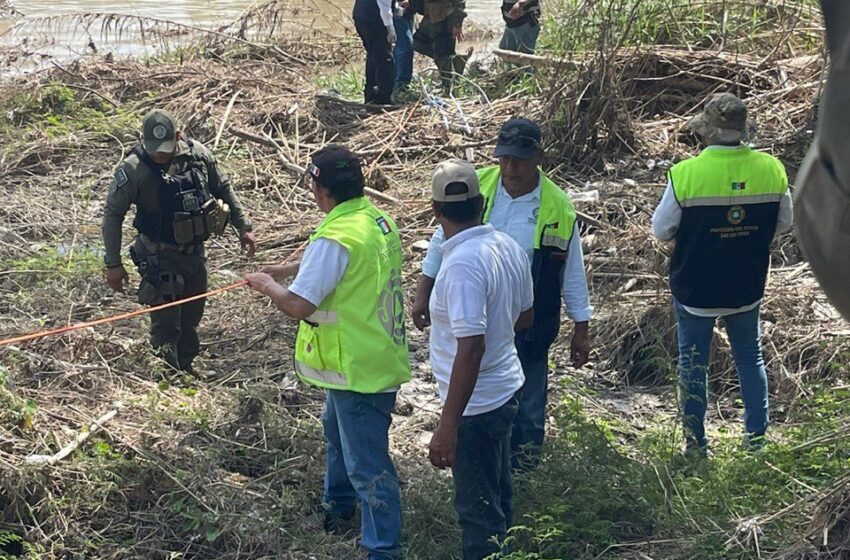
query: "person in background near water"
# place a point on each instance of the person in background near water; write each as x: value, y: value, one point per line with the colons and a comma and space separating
x: 723, y: 209
x: 521, y: 201
x: 482, y: 295
x: 351, y: 341
x: 373, y: 20
x: 181, y: 199
x: 438, y: 33
x: 403, y: 53
x: 522, y: 25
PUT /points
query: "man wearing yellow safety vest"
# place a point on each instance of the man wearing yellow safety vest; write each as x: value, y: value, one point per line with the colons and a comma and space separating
x: 521, y: 201
x: 723, y: 209
x: 351, y: 341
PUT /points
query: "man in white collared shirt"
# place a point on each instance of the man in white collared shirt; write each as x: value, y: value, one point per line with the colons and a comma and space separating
x: 523, y: 203
x: 352, y: 342
x: 482, y: 295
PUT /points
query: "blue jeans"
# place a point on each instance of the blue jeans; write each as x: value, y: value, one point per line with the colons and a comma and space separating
x: 359, y: 468
x: 482, y: 479
x: 530, y: 424
x: 694, y: 352
x: 403, y: 53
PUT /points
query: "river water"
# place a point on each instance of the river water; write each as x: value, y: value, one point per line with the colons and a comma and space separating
x: 63, y: 34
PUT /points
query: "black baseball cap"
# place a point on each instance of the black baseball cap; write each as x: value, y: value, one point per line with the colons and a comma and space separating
x: 159, y: 132
x: 519, y: 138
x: 336, y: 166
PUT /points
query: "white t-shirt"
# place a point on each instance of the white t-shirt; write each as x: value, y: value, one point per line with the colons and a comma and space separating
x: 322, y: 268
x: 517, y: 217
x: 483, y: 285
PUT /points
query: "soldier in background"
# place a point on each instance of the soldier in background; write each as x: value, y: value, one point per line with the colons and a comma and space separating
x: 181, y: 200
x: 438, y: 34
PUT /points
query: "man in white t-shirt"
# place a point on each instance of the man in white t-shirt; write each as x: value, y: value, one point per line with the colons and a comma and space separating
x: 482, y: 294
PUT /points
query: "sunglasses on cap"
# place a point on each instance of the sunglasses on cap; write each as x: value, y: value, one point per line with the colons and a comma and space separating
x: 511, y: 138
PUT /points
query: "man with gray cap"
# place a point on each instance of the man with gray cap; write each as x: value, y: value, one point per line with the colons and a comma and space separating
x: 482, y: 295
x: 181, y: 199
x: 521, y: 201
x: 723, y: 209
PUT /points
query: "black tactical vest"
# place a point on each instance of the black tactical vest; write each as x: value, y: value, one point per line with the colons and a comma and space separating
x: 184, y: 199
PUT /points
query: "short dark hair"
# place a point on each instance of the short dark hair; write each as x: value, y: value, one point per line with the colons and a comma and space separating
x: 461, y: 212
x: 337, y: 170
x: 343, y: 191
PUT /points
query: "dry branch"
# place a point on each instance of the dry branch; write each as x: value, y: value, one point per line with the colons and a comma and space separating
x: 298, y: 169
x: 73, y: 445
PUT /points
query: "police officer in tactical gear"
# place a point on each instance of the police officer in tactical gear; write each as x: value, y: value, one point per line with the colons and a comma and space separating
x: 181, y: 199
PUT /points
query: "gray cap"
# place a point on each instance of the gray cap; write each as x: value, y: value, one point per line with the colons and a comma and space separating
x: 159, y: 132
x: 454, y: 180
x: 723, y: 120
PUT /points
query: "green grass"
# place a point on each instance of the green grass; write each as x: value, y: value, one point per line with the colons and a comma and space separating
x: 59, y: 261
x: 12, y: 541
x: 593, y: 492
x: 57, y: 110
x: 347, y: 82
x: 737, y: 25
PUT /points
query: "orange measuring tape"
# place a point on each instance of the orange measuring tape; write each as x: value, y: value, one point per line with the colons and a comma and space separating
x: 114, y: 318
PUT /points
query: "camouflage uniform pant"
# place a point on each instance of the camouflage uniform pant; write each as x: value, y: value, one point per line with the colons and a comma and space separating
x: 174, y: 331
x: 435, y: 40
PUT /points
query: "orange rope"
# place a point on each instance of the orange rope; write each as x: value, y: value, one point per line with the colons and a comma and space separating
x: 114, y: 318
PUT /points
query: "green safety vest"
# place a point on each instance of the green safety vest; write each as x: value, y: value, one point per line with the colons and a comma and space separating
x: 730, y: 205
x: 356, y: 339
x: 554, y: 230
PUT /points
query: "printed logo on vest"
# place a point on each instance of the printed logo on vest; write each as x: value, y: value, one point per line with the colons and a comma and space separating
x: 739, y: 186
x: 383, y: 224
x: 736, y: 215
x: 391, y: 308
